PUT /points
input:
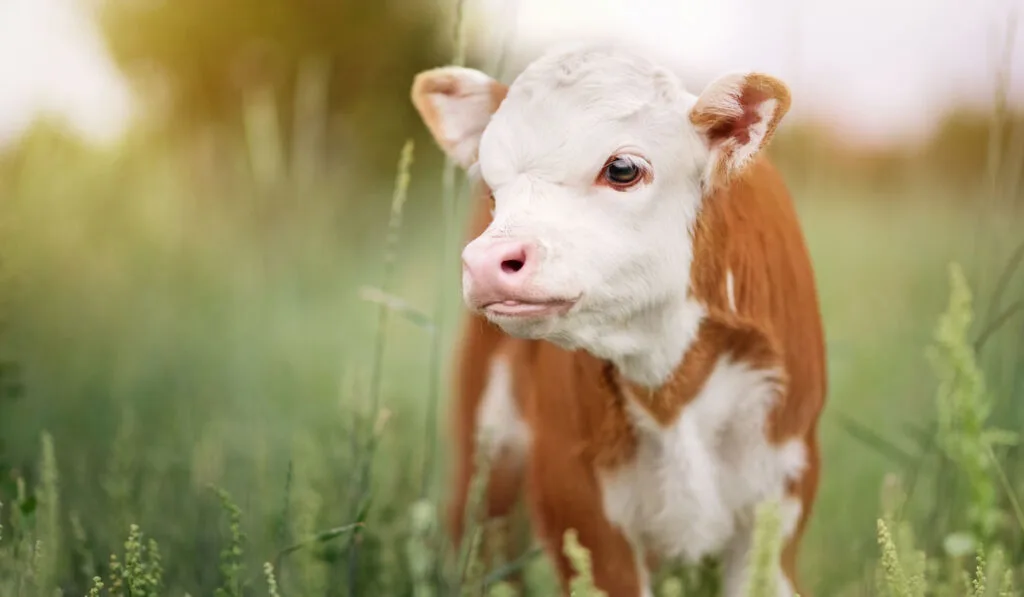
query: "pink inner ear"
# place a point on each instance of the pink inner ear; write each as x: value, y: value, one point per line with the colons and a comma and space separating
x: 738, y: 128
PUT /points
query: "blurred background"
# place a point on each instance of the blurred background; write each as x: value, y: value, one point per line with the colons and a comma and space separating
x: 194, y: 196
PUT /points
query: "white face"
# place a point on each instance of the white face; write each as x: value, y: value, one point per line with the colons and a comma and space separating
x: 596, y: 168
x: 595, y: 172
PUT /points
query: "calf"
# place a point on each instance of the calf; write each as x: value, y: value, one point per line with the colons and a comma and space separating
x: 644, y: 349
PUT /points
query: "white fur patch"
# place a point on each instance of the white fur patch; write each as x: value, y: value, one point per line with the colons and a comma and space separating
x: 500, y: 427
x: 730, y: 290
x: 757, y: 130
x: 692, y: 489
x: 737, y: 553
x: 791, y: 509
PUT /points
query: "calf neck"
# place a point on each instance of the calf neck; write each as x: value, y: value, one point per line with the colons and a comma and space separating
x: 642, y: 355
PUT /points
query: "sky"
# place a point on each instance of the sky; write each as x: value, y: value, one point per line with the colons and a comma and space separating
x: 876, y: 70
x: 52, y: 60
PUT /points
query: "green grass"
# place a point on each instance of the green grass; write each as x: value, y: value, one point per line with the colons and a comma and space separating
x: 178, y: 337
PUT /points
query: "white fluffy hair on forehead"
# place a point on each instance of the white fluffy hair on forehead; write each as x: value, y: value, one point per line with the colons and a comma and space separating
x: 570, y: 109
x: 600, y: 66
x: 609, y: 80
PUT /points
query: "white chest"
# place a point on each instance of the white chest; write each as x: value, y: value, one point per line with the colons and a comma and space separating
x: 693, y: 485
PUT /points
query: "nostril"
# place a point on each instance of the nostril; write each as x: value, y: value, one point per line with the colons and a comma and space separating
x: 511, y: 266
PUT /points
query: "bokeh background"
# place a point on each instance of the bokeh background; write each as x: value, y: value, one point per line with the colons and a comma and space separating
x: 195, y: 195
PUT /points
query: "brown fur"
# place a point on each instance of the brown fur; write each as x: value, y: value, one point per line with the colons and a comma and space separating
x: 574, y: 403
x: 728, y: 131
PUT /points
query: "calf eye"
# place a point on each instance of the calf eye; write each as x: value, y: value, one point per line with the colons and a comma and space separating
x: 622, y: 172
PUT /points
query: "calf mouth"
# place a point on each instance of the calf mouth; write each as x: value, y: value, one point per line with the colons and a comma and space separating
x: 523, y: 309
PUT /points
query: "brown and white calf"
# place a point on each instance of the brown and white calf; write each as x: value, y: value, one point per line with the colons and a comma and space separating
x: 644, y: 352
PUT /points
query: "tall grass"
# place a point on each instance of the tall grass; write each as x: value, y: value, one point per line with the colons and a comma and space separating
x: 383, y: 536
x: 263, y: 333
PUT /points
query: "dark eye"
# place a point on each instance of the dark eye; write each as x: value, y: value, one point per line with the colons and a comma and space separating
x: 622, y: 172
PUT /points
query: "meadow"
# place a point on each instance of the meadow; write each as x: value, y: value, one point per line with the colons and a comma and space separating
x: 196, y: 351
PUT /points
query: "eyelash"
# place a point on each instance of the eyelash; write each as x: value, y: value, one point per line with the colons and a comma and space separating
x: 643, y: 167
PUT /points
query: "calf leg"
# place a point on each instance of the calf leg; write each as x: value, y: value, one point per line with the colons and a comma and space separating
x: 736, y: 568
x: 794, y: 513
x: 487, y: 418
x: 564, y: 494
x: 804, y: 491
x: 504, y: 485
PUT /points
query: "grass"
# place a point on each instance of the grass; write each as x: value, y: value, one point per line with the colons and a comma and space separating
x: 171, y: 339
x: 232, y: 382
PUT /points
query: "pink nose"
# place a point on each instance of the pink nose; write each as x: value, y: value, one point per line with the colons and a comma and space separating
x: 497, y: 270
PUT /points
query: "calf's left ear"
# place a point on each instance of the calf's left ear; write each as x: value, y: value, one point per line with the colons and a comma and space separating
x: 737, y: 115
x: 456, y: 103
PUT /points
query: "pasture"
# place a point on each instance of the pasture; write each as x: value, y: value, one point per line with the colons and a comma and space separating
x: 181, y: 321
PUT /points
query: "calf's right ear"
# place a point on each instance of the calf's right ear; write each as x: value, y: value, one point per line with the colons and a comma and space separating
x: 737, y: 114
x: 456, y: 103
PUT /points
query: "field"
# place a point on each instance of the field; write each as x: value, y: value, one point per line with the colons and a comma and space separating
x: 177, y: 332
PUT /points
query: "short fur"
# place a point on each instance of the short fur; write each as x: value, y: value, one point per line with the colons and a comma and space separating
x: 684, y: 385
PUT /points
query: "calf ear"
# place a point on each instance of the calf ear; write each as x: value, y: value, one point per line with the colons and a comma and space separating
x: 737, y: 115
x: 456, y: 104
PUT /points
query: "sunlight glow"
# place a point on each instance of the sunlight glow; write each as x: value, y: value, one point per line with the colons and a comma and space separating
x: 877, y: 70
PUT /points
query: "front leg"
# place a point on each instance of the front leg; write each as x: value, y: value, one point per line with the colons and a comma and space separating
x: 565, y: 494
x: 737, y: 556
x: 487, y: 415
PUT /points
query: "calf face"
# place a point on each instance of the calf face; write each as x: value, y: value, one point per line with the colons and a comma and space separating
x: 596, y: 161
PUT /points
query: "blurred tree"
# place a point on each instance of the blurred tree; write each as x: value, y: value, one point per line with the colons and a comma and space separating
x: 955, y: 156
x: 338, y: 69
x: 961, y: 145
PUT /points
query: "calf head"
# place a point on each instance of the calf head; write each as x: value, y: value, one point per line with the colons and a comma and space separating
x: 596, y: 161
